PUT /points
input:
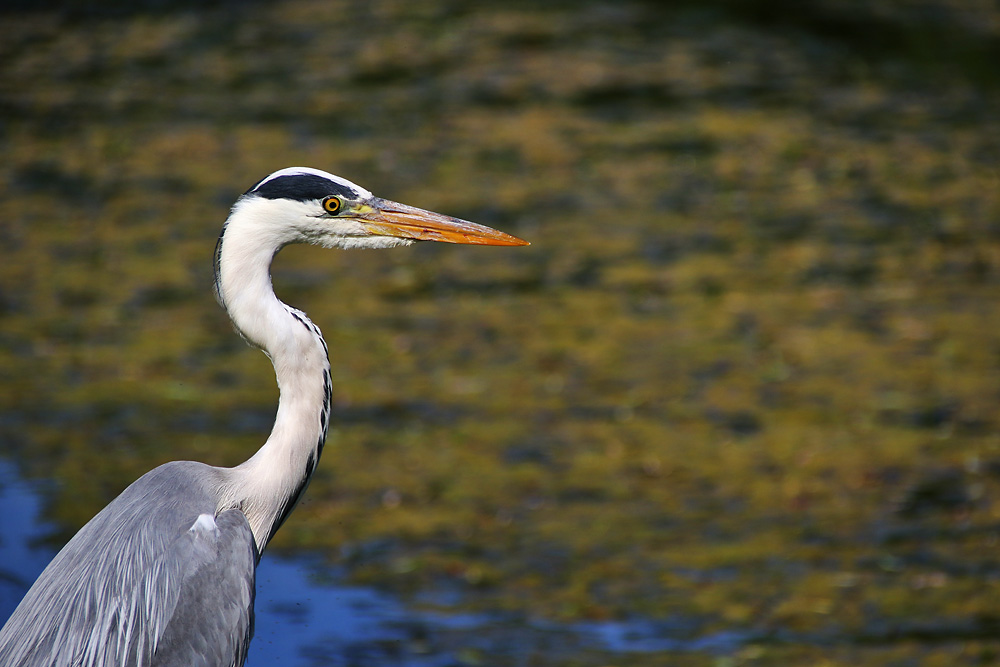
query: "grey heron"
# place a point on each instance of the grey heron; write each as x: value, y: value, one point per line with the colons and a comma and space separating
x: 164, y: 575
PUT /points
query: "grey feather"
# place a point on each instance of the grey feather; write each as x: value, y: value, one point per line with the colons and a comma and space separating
x: 132, y: 572
x: 212, y: 622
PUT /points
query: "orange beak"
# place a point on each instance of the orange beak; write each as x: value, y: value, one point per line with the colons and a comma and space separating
x: 389, y: 218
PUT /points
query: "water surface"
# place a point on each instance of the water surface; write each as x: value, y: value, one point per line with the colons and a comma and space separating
x: 306, y: 616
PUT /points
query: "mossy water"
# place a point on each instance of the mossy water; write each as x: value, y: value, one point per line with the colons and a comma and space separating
x: 746, y: 375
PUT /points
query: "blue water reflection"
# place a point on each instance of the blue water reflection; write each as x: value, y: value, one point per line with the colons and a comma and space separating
x: 22, y: 558
x: 306, y: 618
x: 302, y: 622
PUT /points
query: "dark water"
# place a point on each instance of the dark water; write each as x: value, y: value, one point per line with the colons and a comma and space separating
x: 306, y: 616
x: 20, y: 528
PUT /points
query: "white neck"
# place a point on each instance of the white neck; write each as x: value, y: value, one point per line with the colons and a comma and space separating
x: 267, y: 486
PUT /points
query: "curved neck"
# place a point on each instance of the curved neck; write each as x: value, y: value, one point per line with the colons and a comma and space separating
x: 268, y: 485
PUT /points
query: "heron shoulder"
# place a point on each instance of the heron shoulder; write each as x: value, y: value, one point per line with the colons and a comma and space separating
x: 111, y: 594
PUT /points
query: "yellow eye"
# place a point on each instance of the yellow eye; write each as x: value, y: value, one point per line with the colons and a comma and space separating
x: 332, y: 205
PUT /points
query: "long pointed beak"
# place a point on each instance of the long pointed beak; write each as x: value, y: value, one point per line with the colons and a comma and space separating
x: 389, y: 218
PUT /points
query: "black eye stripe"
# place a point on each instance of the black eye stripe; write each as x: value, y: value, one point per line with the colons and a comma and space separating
x: 301, y: 187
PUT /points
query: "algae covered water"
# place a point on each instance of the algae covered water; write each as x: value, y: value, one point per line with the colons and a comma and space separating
x: 742, y: 388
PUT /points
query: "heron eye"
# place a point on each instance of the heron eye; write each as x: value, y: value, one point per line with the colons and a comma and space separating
x: 332, y: 205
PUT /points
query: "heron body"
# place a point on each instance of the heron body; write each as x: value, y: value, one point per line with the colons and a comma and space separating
x: 164, y: 575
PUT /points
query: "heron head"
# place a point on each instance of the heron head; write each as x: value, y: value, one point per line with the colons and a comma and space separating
x: 307, y: 205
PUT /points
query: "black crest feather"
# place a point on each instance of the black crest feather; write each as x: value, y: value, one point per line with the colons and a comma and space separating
x: 300, y: 187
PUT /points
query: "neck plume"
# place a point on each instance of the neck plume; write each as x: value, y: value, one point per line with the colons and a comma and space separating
x: 267, y: 486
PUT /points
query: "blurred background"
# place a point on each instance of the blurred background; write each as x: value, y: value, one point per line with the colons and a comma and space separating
x: 738, y: 398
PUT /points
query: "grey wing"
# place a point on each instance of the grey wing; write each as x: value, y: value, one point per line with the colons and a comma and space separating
x: 212, y: 622
x: 110, y: 597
